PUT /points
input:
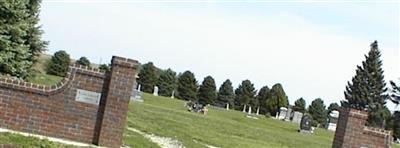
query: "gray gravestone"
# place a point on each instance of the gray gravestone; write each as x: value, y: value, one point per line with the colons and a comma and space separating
x: 282, y: 113
x: 297, y: 117
x: 305, y: 124
x: 333, y: 118
x: 244, y: 108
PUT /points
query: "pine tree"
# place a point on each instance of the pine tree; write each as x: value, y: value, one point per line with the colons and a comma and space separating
x: 83, y: 61
x: 244, y: 94
x: 167, y: 82
x: 395, y: 97
x: 20, y: 42
x: 300, y: 105
x: 333, y: 106
x: 59, y: 63
x: 277, y: 98
x: 318, y: 112
x: 367, y: 90
x: 207, y: 91
x: 396, y: 124
x: 262, y: 97
x: 147, y: 77
x: 187, y: 86
x: 225, y: 95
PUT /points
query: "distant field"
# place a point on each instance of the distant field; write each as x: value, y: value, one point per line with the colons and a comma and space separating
x: 168, y: 117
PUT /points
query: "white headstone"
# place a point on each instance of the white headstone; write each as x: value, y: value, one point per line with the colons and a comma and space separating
x: 227, y: 106
x: 139, y: 87
x: 249, y: 110
x: 258, y: 111
x: 155, y: 91
x: 244, y: 108
x: 173, y: 94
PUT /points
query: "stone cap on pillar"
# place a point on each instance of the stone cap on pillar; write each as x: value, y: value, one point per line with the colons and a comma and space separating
x: 116, y: 60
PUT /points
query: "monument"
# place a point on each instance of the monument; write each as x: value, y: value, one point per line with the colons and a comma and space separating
x: 297, y: 117
x: 155, y: 91
x: 305, y: 124
x: 333, y: 118
x: 282, y: 113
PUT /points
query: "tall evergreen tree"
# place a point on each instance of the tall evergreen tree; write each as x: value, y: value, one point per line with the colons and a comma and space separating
x: 147, y: 77
x: 262, y: 97
x: 300, y: 105
x: 20, y: 37
x: 277, y: 98
x: 167, y: 82
x: 367, y: 89
x: 83, y: 61
x: 395, y: 97
x: 318, y: 112
x: 244, y: 94
x: 396, y: 124
x: 207, y: 91
x: 187, y: 86
x: 333, y: 106
x: 59, y: 63
x: 225, y: 94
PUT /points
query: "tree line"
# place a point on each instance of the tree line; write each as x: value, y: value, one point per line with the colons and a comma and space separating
x: 186, y: 87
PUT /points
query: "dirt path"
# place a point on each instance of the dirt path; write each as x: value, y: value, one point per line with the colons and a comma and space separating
x: 163, y: 142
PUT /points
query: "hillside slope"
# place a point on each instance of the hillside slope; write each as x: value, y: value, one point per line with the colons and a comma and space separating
x: 168, y: 117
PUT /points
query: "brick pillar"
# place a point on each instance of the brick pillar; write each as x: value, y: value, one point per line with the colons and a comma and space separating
x: 350, y: 127
x: 115, y: 105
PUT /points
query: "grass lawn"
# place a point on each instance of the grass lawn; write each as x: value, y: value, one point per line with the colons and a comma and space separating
x: 20, y: 141
x: 168, y: 118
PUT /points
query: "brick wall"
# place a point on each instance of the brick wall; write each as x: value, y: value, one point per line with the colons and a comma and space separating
x: 54, y: 111
x: 351, y: 131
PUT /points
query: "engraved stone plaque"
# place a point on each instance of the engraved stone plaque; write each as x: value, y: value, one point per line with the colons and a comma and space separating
x: 88, y: 96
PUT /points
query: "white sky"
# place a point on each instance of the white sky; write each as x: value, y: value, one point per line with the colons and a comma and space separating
x: 312, y: 49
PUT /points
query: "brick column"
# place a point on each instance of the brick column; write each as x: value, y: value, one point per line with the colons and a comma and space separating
x: 115, y: 105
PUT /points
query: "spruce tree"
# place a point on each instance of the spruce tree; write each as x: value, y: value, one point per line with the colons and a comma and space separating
x: 20, y: 37
x: 318, y: 112
x: 59, y: 63
x: 244, y: 94
x: 147, y: 77
x: 262, y: 97
x: 167, y: 82
x: 277, y: 98
x: 207, y: 91
x: 395, y: 97
x: 225, y: 95
x: 300, y: 105
x: 187, y: 86
x: 367, y: 89
x: 83, y: 61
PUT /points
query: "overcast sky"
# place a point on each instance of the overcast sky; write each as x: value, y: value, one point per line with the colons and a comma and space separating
x: 311, y: 48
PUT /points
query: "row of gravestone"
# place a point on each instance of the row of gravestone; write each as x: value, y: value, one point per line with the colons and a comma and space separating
x: 285, y: 114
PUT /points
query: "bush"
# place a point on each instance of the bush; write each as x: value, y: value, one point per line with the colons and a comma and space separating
x: 83, y: 61
x: 59, y: 63
x: 104, y: 67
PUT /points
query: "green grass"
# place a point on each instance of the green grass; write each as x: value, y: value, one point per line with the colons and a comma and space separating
x: 168, y: 118
x: 45, y: 79
x: 20, y: 141
x: 133, y: 140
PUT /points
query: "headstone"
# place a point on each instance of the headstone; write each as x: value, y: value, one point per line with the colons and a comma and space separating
x: 139, y: 87
x: 297, y: 117
x: 173, y: 94
x: 305, y: 124
x: 227, y: 106
x: 288, y: 114
x: 258, y: 111
x: 136, y: 95
x: 155, y: 91
x: 333, y: 118
x: 282, y: 113
x: 249, y: 110
x: 244, y: 108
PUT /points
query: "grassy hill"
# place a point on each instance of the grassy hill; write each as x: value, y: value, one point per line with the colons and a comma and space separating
x: 168, y: 117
